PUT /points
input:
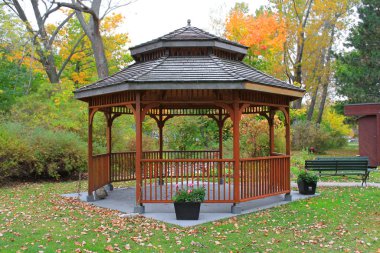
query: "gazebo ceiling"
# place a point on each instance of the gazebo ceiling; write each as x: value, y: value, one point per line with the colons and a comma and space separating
x: 188, y: 58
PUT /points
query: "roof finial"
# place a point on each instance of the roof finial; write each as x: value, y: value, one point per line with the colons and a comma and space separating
x: 188, y: 22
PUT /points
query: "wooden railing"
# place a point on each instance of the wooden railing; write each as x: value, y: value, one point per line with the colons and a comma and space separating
x: 123, y: 166
x: 100, y: 172
x: 123, y: 163
x: 264, y: 176
x: 162, y: 177
x: 258, y: 177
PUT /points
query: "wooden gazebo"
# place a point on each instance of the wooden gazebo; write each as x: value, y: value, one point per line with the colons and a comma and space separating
x: 190, y: 72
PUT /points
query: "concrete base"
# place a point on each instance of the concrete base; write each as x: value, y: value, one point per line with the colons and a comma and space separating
x: 236, y: 209
x: 288, y: 197
x: 124, y: 200
x: 90, y: 198
x: 139, y: 209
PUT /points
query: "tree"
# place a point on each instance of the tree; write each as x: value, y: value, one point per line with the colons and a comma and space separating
x: 263, y: 33
x: 42, y: 40
x: 82, y: 66
x: 358, y: 71
x: 296, y: 15
x: 17, y: 77
x: 92, y: 28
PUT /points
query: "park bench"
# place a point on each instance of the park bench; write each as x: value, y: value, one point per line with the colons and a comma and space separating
x: 340, y: 166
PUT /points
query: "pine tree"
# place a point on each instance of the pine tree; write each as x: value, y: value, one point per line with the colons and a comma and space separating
x: 358, y: 71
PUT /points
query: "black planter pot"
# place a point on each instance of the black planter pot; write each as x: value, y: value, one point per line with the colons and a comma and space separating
x: 306, y: 188
x: 187, y: 210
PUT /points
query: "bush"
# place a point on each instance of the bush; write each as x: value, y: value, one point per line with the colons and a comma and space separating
x: 39, y: 153
x: 307, y: 134
x: 307, y: 177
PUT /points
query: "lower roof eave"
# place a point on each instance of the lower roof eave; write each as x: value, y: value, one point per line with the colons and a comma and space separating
x: 294, y: 93
x: 187, y: 85
x: 159, y: 86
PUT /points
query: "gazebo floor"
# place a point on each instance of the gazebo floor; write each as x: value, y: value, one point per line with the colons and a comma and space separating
x: 123, y: 200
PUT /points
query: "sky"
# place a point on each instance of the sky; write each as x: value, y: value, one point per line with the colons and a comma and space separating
x: 148, y: 19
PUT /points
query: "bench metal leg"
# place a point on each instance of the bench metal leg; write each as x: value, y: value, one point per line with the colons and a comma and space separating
x: 364, y: 178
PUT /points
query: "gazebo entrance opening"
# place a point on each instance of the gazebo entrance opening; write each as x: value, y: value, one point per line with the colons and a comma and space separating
x: 158, y: 173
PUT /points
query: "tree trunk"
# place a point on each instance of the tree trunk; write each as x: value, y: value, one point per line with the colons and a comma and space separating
x: 297, y: 104
x: 92, y: 30
x: 322, y: 104
x: 318, y: 69
x: 99, y: 54
x: 327, y: 77
x: 51, y: 69
x: 310, y: 112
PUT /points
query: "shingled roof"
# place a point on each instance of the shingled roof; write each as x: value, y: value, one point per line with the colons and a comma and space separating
x: 188, y: 33
x: 186, y: 72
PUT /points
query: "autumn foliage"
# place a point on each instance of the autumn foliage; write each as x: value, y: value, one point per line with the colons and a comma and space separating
x: 264, y: 34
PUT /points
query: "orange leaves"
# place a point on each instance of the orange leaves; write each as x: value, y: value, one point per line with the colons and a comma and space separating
x: 261, y: 33
x: 265, y: 35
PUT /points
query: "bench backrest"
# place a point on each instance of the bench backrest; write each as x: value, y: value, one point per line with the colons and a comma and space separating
x: 342, y: 158
x: 336, y: 164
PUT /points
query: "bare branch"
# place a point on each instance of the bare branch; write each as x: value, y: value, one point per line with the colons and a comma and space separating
x: 70, y: 55
x: 112, y: 8
x: 54, y: 34
x: 307, y: 14
x: 78, y: 7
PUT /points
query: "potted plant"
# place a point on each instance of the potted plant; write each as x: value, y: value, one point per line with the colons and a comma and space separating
x: 307, y: 182
x: 187, y: 202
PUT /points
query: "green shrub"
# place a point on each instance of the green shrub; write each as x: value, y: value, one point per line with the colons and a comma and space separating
x: 39, y: 153
x: 307, y: 177
x: 307, y: 134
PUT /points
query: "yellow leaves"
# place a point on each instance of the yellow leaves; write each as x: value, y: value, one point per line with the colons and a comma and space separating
x: 50, y: 28
x: 112, y: 22
x: 336, y: 122
x: 80, y: 77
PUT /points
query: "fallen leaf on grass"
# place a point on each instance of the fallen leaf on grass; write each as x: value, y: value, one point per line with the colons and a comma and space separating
x: 109, y: 248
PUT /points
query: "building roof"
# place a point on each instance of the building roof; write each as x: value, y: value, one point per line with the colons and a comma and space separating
x: 362, y: 109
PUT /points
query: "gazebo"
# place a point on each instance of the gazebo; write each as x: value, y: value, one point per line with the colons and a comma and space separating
x: 190, y: 72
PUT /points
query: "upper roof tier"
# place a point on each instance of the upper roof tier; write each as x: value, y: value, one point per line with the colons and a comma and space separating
x: 189, y: 59
x: 188, y: 37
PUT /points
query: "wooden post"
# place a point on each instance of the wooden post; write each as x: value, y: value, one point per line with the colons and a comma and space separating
x: 160, y: 125
x: 288, y: 196
x: 139, y: 207
x: 271, y: 132
x: 220, y: 165
x: 90, y: 196
x: 236, y: 151
x: 109, y: 145
x: 287, y: 134
x: 220, y: 125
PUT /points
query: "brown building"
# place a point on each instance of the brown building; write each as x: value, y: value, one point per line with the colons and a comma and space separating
x: 369, y: 129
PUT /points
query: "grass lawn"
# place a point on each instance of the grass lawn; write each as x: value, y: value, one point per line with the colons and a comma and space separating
x: 33, y: 218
